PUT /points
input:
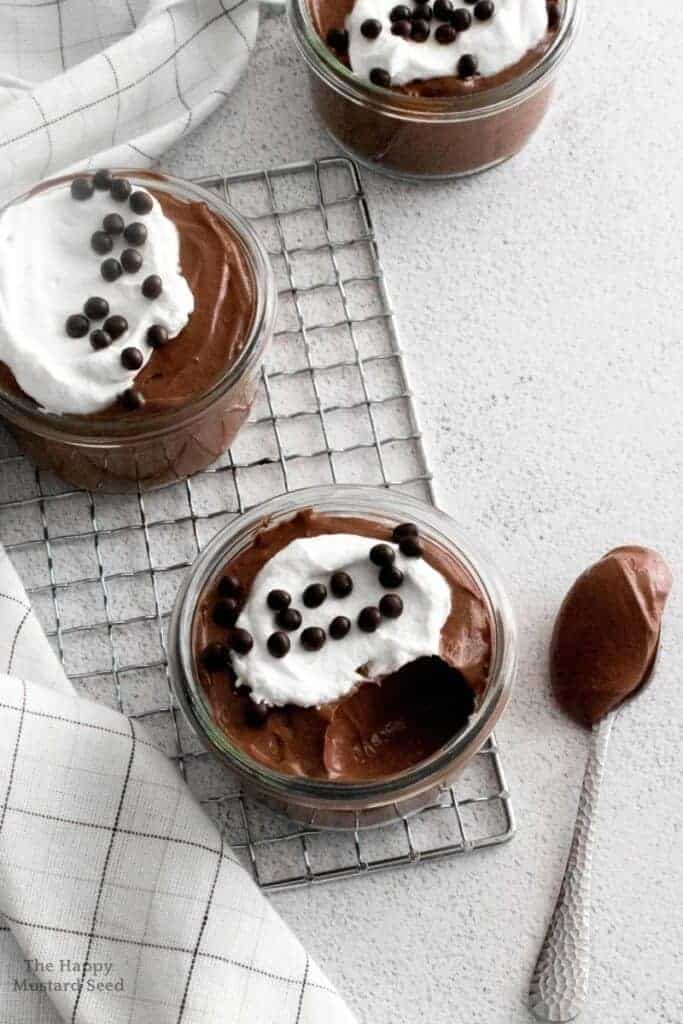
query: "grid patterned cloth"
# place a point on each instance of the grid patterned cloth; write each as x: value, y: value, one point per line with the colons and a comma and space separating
x: 120, y: 901
x: 111, y: 83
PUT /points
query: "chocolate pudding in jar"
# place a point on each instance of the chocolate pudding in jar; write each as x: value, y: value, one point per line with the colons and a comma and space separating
x: 345, y: 660
x: 135, y: 310
x: 434, y: 89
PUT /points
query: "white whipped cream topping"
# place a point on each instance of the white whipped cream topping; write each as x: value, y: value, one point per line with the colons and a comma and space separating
x: 48, y: 269
x: 516, y: 27
x: 312, y: 678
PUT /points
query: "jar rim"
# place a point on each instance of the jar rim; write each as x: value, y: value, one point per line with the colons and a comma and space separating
x: 380, y: 504
x: 101, y: 433
x: 440, y: 109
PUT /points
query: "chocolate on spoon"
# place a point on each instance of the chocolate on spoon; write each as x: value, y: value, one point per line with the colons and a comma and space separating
x: 603, y: 651
x: 607, y: 631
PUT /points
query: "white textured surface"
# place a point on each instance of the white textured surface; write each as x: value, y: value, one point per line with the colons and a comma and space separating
x: 539, y: 306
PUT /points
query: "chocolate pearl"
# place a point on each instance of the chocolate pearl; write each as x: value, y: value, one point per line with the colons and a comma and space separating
x: 443, y: 10
x: 82, y: 188
x: 215, y: 656
x: 289, y: 619
x: 96, y: 308
x: 115, y: 326
x: 445, y: 34
x: 391, y: 577
x: 131, y: 260
x: 132, y: 358
x: 99, y: 339
x: 111, y: 269
x: 483, y: 10
x: 278, y: 644
x: 401, y: 28
x: 255, y: 714
x: 338, y: 39
x: 77, y: 325
x: 420, y: 31
x: 120, y: 189
x: 369, y: 619
x: 102, y: 180
x: 400, y: 13
x: 404, y: 530
x: 341, y: 584
x: 422, y: 12
x: 461, y: 19
x: 382, y: 554
x: 157, y: 336
x: 467, y: 66
x: 411, y: 547
x: 339, y: 627
x: 113, y: 224
x: 135, y: 233
x: 132, y: 399
x: 370, y: 28
x: 278, y: 599
x: 230, y: 586
x: 313, y: 638
x: 241, y: 641
x: 554, y: 14
x: 380, y: 77
x: 225, y: 612
x: 141, y: 203
x: 101, y: 242
x: 152, y: 287
x: 314, y: 595
x: 391, y: 606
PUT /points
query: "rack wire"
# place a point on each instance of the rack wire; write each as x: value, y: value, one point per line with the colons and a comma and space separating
x: 334, y: 405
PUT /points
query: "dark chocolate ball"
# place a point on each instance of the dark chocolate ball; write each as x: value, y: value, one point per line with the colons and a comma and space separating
x: 278, y: 644
x: 411, y: 547
x: 82, y: 188
x: 120, y: 189
x: 380, y: 77
x: 157, y: 336
x: 382, y: 554
x: 225, y: 611
x: 370, y: 28
x: 255, y: 714
x: 467, y: 66
x: 132, y: 399
x: 400, y: 13
x: 241, y: 641
x: 420, y: 31
x: 141, y: 203
x: 289, y: 619
x: 135, y: 233
x: 101, y: 242
x: 484, y: 10
x: 404, y: 530
x: 338, y: 40
x: 339, y: 627
x: 113, y: 224
x: 391, y: 606
x: 77, y: 325
x: 391, y: 577
x: 132, y: 358
x: 443, y: 10
x: 230, y: 586
x: 314, y: 595
x: 115, y: 326
x: 422, y: 12
x: 102, y: 179
x: 278, y: 599
x: 445, y: 34
x: 461, y: 19
x: 369, y: 619
x: 131, y: 260
x: 111, y: 269
x: 215, y: 656
x: 99, y: 339
x: 152, y: 287
x: 341, y: 584
x: 401, y: 29
x: 313, y: 638
x: 96, y: 308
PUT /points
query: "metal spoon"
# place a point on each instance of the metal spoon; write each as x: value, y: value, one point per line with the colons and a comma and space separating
x: 559, y: 983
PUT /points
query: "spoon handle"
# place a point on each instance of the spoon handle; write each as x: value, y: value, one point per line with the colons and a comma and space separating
x: 560, y: 980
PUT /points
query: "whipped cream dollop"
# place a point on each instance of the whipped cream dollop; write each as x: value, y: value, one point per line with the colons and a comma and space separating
x: 497, y: 43
x: 48, y: 269
x: 311, y: 678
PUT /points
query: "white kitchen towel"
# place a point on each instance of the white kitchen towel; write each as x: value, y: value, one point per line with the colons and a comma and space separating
x: 120, y: 901
x: 111, y: 82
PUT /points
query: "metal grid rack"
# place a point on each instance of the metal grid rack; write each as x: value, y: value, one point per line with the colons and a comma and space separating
x: 334, y: 406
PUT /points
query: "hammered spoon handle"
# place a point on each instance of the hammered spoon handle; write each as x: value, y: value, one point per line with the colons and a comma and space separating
x: 560, y: 980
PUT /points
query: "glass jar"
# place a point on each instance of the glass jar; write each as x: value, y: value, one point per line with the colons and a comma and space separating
x: 424, y: 137
x: 325, y: 803
x: 121, y: 454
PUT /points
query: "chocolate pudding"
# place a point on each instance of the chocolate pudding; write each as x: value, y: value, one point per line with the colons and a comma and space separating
x: 432, y: 89
x: 607, y: 632
x: 424, y: 644
x: 139, y: 366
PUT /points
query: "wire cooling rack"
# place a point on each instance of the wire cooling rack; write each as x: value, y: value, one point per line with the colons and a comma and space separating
x: 333, y: 406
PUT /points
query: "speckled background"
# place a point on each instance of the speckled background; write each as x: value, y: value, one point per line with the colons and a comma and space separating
x: 539, y: 307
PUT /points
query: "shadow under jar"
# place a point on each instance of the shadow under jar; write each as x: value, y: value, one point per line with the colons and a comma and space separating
x: 424, y: 130
x: 308, y: 798
x: 177, y: 432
